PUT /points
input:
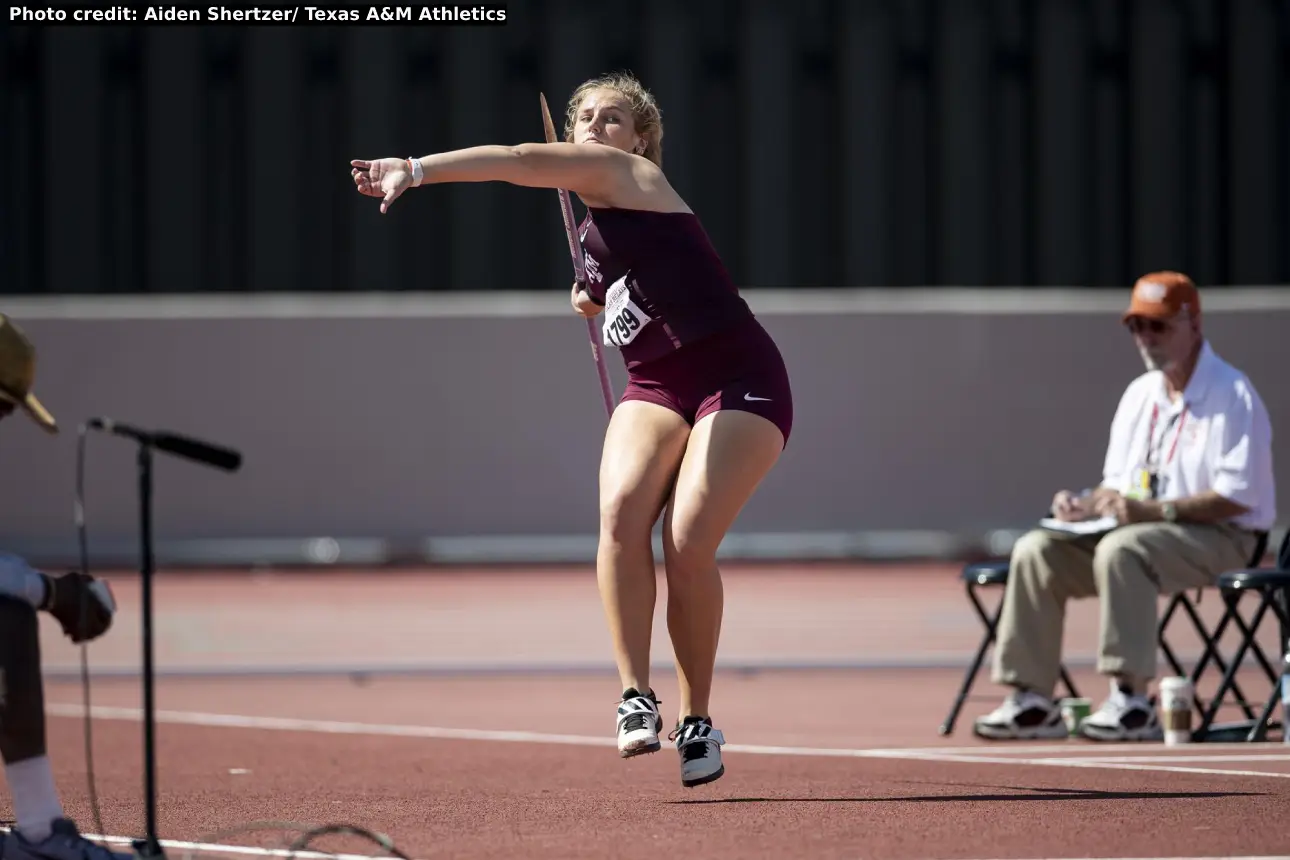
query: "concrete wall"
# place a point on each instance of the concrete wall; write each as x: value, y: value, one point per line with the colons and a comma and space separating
x: 474, y: 422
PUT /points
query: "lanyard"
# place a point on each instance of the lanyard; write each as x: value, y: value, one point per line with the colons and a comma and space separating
x: 1151, y: 432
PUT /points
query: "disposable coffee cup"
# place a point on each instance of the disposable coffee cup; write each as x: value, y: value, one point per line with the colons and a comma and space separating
x: 1074, y: 713
x: 1176, y: 703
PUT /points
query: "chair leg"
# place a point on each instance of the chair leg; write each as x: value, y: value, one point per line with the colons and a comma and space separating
x: 1259, y: 732
x: 1232, y: 602
x: 1160, y: 635
x: 1211, y: 652
x: 1248, y: 631
x: 969, y: 677
x: 1211, y: 643
x: 1168, y: 651
x: 1070, y: 685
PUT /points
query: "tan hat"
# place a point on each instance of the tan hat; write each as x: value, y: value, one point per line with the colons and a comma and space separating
x: 1162, y: 296
x: 18, y: 372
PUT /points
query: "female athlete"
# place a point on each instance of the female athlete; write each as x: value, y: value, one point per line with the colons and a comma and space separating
x: 707, y: 409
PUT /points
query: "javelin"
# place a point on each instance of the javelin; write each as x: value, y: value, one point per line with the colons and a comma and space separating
x: 579, y: 269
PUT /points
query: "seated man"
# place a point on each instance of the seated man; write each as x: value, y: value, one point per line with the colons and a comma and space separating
x: 83, y: 607
x: 1188, y: 479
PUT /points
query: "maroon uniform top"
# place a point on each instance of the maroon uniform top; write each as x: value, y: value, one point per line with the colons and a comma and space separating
x: 661, y: 281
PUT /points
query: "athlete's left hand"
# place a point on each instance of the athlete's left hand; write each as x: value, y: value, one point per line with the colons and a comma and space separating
x: 386, y: 178
x: 583, y: 304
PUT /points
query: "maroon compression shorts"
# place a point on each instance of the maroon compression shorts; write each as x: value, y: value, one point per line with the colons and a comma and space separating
x: 740, y: 368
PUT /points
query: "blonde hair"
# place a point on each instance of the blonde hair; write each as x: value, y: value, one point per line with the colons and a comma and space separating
x: 645, y: 110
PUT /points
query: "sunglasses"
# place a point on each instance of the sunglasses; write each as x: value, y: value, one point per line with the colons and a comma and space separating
x: 1137, y: 325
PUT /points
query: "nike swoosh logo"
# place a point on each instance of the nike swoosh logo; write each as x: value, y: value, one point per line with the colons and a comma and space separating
x: 750, y: 397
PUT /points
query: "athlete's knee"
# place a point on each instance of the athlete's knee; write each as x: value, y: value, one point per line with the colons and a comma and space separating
x: 22, y: 707
x: 688, y: 545
x: 683, y: 558
x: 628, y: 514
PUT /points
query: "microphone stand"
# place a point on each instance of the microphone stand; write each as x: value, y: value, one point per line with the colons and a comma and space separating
x: 149, y: 847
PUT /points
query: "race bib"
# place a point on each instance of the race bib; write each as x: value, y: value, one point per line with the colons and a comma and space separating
x: 623, y: 319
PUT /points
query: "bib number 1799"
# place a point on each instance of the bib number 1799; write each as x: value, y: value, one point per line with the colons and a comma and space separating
x: 623, y: 319
x: 622, y: 327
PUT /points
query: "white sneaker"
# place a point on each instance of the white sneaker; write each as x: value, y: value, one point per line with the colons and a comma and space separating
x: 639, y: 723
x: 700, y: 747
x: 1123, y: 717
x: 1022, y: 716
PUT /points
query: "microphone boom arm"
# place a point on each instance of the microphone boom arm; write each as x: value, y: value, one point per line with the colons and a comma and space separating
x: 184, y: 447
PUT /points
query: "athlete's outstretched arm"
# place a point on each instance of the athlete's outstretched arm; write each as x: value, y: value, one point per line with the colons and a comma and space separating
x: 597, y: 171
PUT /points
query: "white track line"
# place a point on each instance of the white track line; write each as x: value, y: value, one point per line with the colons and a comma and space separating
x: 210, y: 848
x: 966, y: 755
x: 1096, y: 764
x: 213, y: 848
x: 219, y: 848
x: 198, y: 718
x: 1214, y: 759
x: 1095, y: 749
x: 433, y: 732
x: 216, y: 848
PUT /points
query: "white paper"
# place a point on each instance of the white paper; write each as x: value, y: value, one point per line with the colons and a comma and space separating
x: 1083, y: 527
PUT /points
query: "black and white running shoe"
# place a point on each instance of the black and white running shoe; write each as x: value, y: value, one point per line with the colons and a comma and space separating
x: 700, y: 747
x: 639, y: 723
x: 1124, y: 716
x: 1022, y: 716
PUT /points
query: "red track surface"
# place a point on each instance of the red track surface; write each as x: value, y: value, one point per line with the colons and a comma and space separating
x: 355, y: 756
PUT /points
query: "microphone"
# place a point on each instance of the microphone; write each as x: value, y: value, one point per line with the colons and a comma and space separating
x: 173, y: 443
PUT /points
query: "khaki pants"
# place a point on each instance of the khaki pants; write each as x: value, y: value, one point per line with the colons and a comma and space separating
x: 1127, y: 569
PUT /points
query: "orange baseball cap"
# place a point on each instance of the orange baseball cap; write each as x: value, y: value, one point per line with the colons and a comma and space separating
x: 1163, y: 295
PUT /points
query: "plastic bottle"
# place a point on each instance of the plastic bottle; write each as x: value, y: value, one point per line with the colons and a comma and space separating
x: 1285, y: 696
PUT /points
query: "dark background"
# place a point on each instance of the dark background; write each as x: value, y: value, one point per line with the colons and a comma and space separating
x: 824, y: 143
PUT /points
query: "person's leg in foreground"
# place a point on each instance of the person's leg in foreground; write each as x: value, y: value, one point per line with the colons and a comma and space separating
x: 728, y: 455
x: 41, y: 831
x: 642, y: 450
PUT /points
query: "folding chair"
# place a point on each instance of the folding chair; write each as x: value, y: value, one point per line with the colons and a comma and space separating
x: 977, y: 575
x: 1272, y: 585
x: 995, y: 572
x: 1207, y: 637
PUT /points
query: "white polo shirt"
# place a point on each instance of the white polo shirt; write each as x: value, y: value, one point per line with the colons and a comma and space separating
x: 1217, y: 436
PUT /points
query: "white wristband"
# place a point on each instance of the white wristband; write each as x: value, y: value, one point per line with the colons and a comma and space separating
x: 418, y: 173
